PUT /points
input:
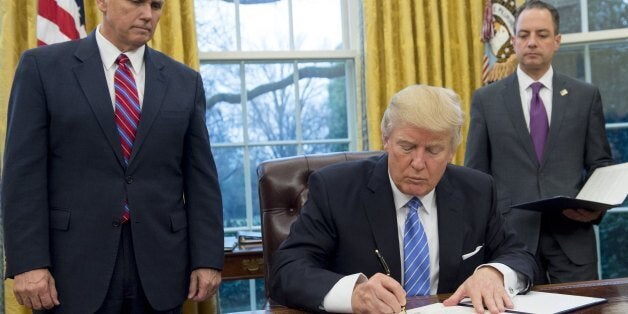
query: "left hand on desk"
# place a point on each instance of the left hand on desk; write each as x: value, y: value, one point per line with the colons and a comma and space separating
x: 486, y: 289
x: 204, y: 283
x: 582, y: 215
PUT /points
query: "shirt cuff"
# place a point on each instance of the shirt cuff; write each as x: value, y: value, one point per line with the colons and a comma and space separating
x: 514, y: 282
x: 338, y: 299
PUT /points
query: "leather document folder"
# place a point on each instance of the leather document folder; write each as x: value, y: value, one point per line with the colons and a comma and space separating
x: 563, y: 202
x: 606, y: 188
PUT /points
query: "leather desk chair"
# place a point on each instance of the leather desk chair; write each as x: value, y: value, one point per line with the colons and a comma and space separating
x: 283, y: 191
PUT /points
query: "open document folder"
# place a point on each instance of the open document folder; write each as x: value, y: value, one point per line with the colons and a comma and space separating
x: 531, y: 302
x: 605, y: 189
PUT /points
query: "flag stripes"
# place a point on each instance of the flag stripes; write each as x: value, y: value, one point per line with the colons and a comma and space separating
x: 59, y: 20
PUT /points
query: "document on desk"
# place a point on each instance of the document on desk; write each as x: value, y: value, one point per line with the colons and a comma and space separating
x: 532, y: 302
x: 606, y: 188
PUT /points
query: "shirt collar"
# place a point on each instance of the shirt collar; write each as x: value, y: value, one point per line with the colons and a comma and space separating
x: 402, y: 199
x: 525, y: 80
x: 109, y: 53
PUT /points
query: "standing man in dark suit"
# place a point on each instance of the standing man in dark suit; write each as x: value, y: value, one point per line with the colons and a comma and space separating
x: 362, y: 218
x: 111, y: 198
x: 540, y: 134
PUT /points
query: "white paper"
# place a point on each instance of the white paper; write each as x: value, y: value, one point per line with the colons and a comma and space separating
x: 547, y: 303
x: 437, y: 308
x: 606, y: 185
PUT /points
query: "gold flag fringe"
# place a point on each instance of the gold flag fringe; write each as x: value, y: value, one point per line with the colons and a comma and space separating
x: 501, y: 69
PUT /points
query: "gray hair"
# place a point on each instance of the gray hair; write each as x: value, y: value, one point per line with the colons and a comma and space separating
x: 435, y: 109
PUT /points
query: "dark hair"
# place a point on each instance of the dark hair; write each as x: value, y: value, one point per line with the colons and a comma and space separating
x: 538, y: 4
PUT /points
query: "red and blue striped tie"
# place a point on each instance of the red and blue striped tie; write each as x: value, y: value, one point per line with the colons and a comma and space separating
x: 127, y: 113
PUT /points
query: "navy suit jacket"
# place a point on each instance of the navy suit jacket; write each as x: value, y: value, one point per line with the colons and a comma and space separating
x: 350, y: 212
x: 499, y: 144
x: 65, y: 180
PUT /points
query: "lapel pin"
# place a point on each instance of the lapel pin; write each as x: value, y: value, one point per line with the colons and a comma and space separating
x: 563, y: 92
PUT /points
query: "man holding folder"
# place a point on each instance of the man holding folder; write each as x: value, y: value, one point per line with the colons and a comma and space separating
x: 540, y: 134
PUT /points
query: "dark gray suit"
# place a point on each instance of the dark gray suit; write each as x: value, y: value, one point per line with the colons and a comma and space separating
x: 499, y: 143
x: 65, y: 180
x: 350, y: 212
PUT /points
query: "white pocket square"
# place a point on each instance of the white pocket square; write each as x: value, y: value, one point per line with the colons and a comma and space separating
x: 477, y: 249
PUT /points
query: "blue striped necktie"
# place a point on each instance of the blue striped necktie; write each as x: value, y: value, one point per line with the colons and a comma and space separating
x: 417, y: 254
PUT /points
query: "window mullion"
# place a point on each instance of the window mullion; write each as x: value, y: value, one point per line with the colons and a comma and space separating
x: 245, y: 148
x: 297, y: 111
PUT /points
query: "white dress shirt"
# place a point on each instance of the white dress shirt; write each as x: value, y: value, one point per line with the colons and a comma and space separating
x: 525, y: 91
x: 338, y: 299
x: 109, y: 53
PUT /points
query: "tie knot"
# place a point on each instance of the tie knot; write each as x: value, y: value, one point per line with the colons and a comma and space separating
x: 414, y: 203
x: 122, y: 59
x: 536, y: 87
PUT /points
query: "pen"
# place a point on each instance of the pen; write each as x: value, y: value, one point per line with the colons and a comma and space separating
x: 387, y: 271
x: 383, y: 262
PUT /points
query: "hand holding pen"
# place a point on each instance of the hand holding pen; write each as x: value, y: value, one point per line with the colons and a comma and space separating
x: 387, y: 272
x: 380, y: 293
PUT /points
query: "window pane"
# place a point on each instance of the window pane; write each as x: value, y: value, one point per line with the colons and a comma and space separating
x: 618, y: 139
x: 569, y: 60
x: 215, y: 25
x: 607, y: 14
x: 271, y: 105
x: 323, y: 99
x: 258, y: 154
x: 569, y: 11
x: 229, y: 162
x: 325, y: 148
x: 224, y: 111
x: 608, y: 73
x: 609, y: 66
x: 235, y: 296
x: 263, y: 153
x: 614, y: 235
x: 264, y: 25
x: 312, y: 33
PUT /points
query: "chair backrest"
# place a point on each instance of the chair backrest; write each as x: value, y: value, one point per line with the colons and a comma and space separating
x: 283, y: 191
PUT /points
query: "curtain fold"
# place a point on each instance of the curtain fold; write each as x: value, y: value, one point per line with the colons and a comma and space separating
x: 420, y: 42
x: 175, y: 36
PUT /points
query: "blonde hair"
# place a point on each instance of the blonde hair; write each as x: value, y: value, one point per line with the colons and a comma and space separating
x: 435, y: 109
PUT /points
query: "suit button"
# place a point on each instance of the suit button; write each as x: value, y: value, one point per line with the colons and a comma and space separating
x: 128, y: 179
x: 116, y: 223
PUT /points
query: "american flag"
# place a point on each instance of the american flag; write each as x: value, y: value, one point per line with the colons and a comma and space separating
x: 60, y: 20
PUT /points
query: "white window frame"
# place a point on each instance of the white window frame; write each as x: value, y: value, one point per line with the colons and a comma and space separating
x: 350, y: 13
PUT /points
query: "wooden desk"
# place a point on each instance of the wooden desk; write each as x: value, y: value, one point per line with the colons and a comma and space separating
x: 614, y: 290
x: 244, y: 263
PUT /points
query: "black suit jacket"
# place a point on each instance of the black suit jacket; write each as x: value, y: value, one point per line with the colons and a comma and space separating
x: 499, y: 144
x: 65, y: 180
x: 350, y: 212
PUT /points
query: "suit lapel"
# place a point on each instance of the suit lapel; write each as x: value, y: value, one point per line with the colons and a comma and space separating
x: 512, y: 101
x: 450, y: 231
x: 154, y: 92
x: 379, y: 206
x: 91, y: 77
x: 559, y: 109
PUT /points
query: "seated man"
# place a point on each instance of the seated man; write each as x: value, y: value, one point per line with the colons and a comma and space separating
x: 409, y: 221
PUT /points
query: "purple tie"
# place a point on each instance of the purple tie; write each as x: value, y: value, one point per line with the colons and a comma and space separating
x: 539, y: 125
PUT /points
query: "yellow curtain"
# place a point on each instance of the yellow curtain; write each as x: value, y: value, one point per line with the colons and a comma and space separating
x: 175, y: 36
x: 420, y: 42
